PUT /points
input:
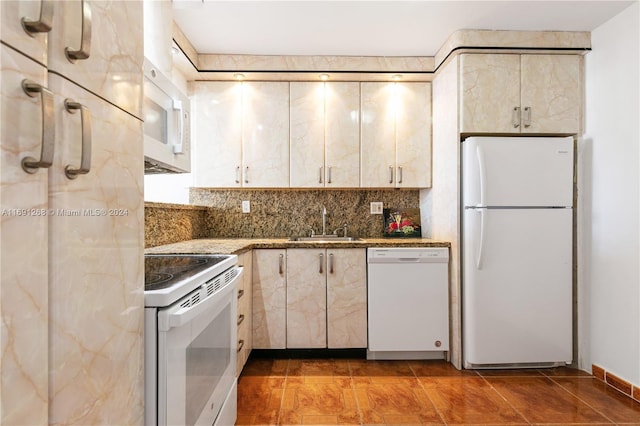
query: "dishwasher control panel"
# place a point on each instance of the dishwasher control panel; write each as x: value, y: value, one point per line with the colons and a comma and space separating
x: 408, y: 255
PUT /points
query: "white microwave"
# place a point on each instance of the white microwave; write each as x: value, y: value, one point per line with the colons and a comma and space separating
x: 166, y: 115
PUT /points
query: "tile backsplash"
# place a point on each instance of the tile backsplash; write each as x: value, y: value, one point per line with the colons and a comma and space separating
x: 281, y: 213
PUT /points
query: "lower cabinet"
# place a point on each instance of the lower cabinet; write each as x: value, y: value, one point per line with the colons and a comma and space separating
x: 269, y: 298
x: 245, y: 310
x: 326, y: 298
x: 309, y: 298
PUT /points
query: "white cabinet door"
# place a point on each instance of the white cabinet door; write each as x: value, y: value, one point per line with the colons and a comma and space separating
x: 244, y: 310
x: 396, y: 135
x: 306, y: 298
x: 307, y: 137
x: 269, y: 299
x: 37, y: 14
x: 115, y: 52
x: 378, y: 104
x: 217, y: 134
x: 346, y: 298
x: 413, y: 135
x: 265, y: 134
x: 158, y: 36
x: 342, y: 135
x: 489, y: 90
x: 552, y: 90
x: 23, y: 237
x: 96, y: 267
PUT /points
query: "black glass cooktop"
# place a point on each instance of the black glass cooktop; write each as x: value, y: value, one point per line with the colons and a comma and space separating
x: 163, y: 271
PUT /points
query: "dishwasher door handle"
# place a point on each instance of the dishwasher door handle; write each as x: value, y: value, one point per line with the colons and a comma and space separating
x: 409, y: 259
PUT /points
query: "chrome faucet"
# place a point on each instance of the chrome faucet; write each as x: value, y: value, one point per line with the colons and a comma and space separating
x: 324, y: 221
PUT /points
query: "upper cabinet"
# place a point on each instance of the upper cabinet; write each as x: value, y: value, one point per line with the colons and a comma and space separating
x: 158, y: 37
x: 396, y: 135
x: 520, y: 93
x: 324, y: 136
x: 242, y: 134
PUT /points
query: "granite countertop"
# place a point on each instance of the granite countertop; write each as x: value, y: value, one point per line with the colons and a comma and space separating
x: 236, y: 246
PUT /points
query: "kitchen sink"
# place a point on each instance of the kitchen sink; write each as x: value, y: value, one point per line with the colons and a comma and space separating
x: 323, y: 239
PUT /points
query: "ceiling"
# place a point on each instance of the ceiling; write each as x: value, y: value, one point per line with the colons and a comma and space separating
x: 369, y: 28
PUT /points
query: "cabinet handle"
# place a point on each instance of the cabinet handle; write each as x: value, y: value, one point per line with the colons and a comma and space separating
x: 390, y: 174
x: 331, y: 263
x: 320, y: 175
x: 281, y: 264
x: 246, y: 174
x: 30, y: 164
x: 399, y: 174
x: 85, y: 122
x: 240, y: 319
x: 329, y: 177
x: 238, y: 174
x: 321, y: 258
x: 44, y: 22
x: 240, y: 293
x: 240, y: 344
x: 515, y: 117
x: 85, y: 36
x: 527, y: 116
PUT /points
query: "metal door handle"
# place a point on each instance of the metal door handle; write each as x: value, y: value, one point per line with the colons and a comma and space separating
x: 238, y: 174
x: 177, y: 147
x: 320, y: 175
x: 331, y: 263
x: 329, y: 177
x: 246, y: 174
x: 30, y: 164
x: 240, y: 344
x: 85, y: 121
x: 390, y: 174
x: 321, y: 258
x: 240, y: 293
x: 527, y: 117
x: 280, y: 264
x: 85, y: 36
x: 44, y: 22
x: 399, y: 174
x: 240, y: 319
x: 515, y: 117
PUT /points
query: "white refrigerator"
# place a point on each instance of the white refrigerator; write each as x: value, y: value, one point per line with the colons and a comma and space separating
x: 517, y: 197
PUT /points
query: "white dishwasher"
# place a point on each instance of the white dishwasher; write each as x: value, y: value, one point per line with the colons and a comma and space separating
x: 408, y: 303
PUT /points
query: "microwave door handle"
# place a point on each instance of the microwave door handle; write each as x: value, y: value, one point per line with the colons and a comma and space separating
x: 186, y: 315
x: 177, y: 147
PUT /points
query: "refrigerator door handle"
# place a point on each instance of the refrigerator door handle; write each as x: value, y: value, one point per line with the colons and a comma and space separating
x: 480, y: 246
x: 481, y: 169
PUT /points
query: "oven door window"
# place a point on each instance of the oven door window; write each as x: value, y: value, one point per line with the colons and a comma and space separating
x: 196, y: 360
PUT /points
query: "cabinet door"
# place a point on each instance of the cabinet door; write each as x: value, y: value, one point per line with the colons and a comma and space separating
x: 269, y: 299
x: 552, y: 89
x: 244, y: 311
x: 342, y: 135
x: 306, y: 298
x: 158, y: 37
x: 96, y: 264
x: 112, y: 69
x: 23, y: 237
x: 346, y: 298
x: 489, y: 90
x: 33, y: 43
x: 217, y: 134
x: 307, y: 135
x: 378, y: 103
x: 265, y: 134
x: 413, y: 135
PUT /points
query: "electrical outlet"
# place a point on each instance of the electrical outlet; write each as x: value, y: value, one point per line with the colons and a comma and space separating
x: 376, y: 207
x: 246, y: 206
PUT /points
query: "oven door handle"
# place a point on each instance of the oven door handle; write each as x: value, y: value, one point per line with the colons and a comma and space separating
x: 184, y: 315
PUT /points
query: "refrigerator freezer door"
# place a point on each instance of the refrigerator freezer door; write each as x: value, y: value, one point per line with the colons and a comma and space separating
x: 517, y: 286
x: 517, y: 171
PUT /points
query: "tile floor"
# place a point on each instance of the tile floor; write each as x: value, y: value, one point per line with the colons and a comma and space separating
x: 360, y: 392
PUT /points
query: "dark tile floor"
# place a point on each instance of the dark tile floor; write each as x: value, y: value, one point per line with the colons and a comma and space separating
x: 360, y: 392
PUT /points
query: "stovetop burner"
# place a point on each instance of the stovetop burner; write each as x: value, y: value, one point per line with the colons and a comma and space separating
x: 163, y: 271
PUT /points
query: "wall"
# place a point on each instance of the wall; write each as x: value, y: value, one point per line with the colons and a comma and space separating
x: 290, y: 212
x: 609, y: 275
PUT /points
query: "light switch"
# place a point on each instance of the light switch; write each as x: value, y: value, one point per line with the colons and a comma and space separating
x: 376, y: 207
x: 246, y: 206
